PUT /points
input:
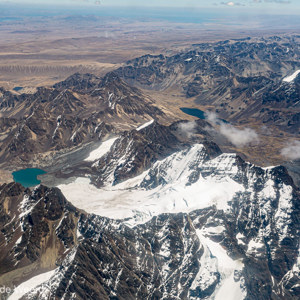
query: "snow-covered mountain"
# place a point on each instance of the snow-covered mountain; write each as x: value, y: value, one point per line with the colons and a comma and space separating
x: 192, y: 226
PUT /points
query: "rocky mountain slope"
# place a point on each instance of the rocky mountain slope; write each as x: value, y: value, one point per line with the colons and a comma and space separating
x: 243, y: 79
x: 61, y: 118
x: 130, y: 153
x: 37, y: 228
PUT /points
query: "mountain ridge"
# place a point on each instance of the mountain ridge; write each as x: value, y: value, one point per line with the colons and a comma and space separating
x: 239, y: 78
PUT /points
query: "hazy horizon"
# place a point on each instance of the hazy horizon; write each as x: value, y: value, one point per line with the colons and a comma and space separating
x: 244, y: 14
x: 268, y: 7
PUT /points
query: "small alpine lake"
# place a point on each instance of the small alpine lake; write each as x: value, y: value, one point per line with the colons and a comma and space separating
x: 28, y: 177
x: 195, y: 112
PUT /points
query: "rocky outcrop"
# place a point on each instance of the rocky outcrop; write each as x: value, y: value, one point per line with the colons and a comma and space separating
x: 134, y: 152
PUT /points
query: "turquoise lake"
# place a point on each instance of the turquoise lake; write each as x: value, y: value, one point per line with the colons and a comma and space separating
x: 28, y: 177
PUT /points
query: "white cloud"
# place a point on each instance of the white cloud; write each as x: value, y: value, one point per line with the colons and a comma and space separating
x: 238, y: 137
x: 292, y: 150
x: 231, y: 3
x: 188, y: 128
x: 212, y: 117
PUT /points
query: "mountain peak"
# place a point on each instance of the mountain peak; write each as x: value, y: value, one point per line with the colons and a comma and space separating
x: 110, y: 78
x: 78, y: 82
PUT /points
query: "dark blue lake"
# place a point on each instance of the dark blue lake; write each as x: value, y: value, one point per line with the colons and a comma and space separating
x: 195, y: 112
x: 18, y: 88
x: 28, y: 177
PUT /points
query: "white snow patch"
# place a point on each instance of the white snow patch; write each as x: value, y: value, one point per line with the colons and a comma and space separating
x: 207, y: 272
x: 214, y: 230
x: 240, y: 238
x: 19, y: 240
x: 229, y: 287
x: 58, y: 121
x: 73, y: 136
x: 256, y: 247
x: 145, y: 125
x: 30, y: 284
x: 26, y: 206
x: 96, y: 128
x: 283, y: 214
x: 269, y: 168
x: 78, y: 234
x: 110, y: 103
x: 268, y: 190
x: 292, y: 77
x: 101, y: 150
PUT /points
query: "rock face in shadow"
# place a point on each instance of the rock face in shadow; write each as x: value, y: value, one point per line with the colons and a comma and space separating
x: 38, y: 228
x: 134, y: 152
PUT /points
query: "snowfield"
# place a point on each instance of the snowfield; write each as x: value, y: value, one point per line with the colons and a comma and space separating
x: 130, y: 200
x: 30, y: 284
x: 145, y: 125
x: 229, y: 288
x: 101, y: 150
x: 137, y: 201
x: 292, y: 77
